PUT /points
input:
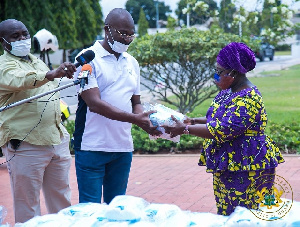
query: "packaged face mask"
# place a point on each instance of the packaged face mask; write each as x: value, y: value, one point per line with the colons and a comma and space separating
x: 163, y: 117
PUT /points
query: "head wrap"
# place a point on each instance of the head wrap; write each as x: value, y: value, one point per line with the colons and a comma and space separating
x: 237, y: 56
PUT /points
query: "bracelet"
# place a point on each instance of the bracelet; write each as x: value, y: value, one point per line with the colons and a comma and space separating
x: 186, y: 130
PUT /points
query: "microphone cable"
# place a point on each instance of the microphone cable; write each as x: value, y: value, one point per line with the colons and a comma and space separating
x: 46, y: 103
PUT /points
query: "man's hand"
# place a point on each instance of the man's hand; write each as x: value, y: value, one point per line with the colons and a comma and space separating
x: 65, y: 69
x: 143, y: 121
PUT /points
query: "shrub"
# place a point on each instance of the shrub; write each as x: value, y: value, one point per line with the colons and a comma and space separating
x: 286, y: 136
x: 70, y: 126
x: 178, y: 66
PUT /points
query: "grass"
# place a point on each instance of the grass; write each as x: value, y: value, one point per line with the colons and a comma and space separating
x: 281, y: 95
x: 280, y: 53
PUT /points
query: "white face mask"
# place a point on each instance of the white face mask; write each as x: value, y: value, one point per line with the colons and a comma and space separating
x: 117, y: 46
x: 20, y: 48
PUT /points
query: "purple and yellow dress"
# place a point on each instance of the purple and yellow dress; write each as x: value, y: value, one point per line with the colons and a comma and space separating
x: 241, y: 157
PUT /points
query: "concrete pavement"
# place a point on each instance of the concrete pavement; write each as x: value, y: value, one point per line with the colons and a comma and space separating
x: 169, y: 179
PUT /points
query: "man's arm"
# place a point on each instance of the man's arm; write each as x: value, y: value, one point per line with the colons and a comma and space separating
x: 93, y: 100
x: 137, y: 106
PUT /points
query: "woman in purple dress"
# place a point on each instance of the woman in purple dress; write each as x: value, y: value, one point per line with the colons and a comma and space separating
x: 236, y: 150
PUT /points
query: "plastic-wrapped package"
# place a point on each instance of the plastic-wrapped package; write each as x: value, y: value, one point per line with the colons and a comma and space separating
x: 126, y: 208
x: 3, y: 213
x: 121, y: 214
x: 292, y: 218
x: 5, y: 225
x: 163, y: 117
x: 207, y: 219
x: 130, y: 211
x: 243, y: 217
x: 110, y: 224
x: 84, y: 209
x: 142, y: 224
x: 165, y: 215
x: 50, y: 220
x: 129, y: 201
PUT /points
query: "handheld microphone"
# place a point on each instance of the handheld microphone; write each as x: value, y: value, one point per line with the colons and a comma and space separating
x: 86, y: 70
x: 85, y: 58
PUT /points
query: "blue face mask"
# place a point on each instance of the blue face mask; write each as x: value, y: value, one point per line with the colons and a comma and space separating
x: 217, y: 77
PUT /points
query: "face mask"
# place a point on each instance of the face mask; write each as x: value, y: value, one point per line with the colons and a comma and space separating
x: 217, y: 77
x: 20, y: 48
x: 117, y: 46
x: 225, y: 82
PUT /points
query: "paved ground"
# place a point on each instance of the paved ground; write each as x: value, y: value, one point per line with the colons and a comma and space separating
x: 170, y: 179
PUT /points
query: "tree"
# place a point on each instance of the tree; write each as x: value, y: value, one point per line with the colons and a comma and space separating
x: 19, y: 10
x: 143, y: 24
x: 276, y: 24
x: 227, y: 10
x: 98, y: 15
x: 134, y: 6
x: 85, y: 22
x: 200, y: 11
x: 272, y: 24
x: 66, y: 27
x: 172, y: 23
x: 75, y: 23
x: 178, y: 66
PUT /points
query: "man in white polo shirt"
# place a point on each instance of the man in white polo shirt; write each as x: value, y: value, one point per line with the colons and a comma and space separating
x: 108, y: 105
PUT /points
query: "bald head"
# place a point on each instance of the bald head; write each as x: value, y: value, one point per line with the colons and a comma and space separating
x: 10, y: 24
x: 118, y: 15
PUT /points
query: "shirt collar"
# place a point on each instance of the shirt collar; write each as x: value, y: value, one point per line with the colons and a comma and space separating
x: 33, y: 58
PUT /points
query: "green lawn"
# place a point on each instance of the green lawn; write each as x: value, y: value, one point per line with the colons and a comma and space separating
x: 281, y: 95
x: 279, y: 53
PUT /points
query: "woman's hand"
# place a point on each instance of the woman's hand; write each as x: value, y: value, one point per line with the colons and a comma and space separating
x: 175, y: 129
x: 189, y: 121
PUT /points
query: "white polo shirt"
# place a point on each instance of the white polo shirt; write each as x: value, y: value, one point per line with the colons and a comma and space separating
x: 117, y: 80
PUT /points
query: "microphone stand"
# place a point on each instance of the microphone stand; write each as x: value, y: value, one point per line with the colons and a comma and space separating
x: 75, y: 82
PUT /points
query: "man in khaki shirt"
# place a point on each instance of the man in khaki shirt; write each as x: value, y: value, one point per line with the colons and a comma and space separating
x: 35, y: 143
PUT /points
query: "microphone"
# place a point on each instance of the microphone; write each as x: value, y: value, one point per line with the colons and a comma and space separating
x: 86, y: 70
x: 85, y: 58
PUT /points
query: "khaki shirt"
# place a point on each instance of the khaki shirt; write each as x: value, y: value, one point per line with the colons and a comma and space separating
x: 36, y: 122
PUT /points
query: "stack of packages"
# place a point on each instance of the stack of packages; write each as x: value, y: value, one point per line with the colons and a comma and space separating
x: 133, y: 211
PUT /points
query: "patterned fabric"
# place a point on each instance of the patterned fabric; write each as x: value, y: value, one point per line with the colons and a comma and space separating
x: 237, y: 122
x: 232, y: 189
x: 237, y: 56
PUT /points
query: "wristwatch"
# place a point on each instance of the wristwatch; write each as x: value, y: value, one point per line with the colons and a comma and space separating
x: 186, y: 130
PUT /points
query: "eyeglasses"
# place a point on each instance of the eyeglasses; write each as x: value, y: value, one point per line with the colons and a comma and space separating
x: 124, y: 36
x: 219, y: 72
